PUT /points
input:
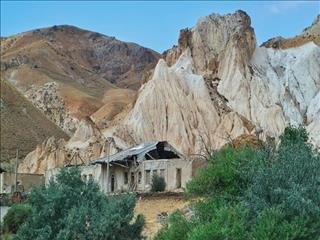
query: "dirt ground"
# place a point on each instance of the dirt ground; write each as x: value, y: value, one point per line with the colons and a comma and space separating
x: 150, y: 206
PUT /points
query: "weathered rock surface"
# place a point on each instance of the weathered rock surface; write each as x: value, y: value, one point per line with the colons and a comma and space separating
x: 259, y: 89
x: 47, y: 100
x: 86, y: 144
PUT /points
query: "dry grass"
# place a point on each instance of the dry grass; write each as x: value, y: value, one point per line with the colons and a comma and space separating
x: 22, y: 125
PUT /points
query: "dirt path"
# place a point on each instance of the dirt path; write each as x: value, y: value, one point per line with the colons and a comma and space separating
x: 151, y: 206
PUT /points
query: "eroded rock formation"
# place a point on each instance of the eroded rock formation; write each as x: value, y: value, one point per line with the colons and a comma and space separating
x: 216, y: 86
x: 259, y: 89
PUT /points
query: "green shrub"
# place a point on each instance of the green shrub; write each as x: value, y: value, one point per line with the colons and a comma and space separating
x: 6, y: 236
x: 228, y: 222
x: 15, y: 217
x: 271, y: 224
x: 70, y: 208
x: 158, y: 184
x: 292, y: 182
x: 176, y: 228
x: 229, y: 171
x: 257, y: 194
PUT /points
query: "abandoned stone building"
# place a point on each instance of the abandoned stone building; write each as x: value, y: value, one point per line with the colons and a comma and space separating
x: 25, y: 181
x: 133, y: 168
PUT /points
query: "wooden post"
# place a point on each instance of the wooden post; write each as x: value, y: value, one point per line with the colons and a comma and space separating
x: 16, y: 172
x: 108, y: 164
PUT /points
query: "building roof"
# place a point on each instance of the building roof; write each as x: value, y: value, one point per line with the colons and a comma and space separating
x: 139, y: 151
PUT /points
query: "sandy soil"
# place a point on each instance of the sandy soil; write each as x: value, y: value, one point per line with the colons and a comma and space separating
x: 151, y: 206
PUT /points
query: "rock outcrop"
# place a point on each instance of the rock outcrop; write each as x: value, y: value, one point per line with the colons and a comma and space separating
x: 260, y: 90
x: 86, y: 144
x: 47, y: 100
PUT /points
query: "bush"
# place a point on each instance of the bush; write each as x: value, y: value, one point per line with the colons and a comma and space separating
x: 6, y: 236
x: 256, y: 194
x: 292, y: 183
x: 229, y: 171
x: 176, y: 228
x: 70, y: 208
x: 228, y: 222
x: 271, y: 223
x: 15, y: 217
x: 158, y: 184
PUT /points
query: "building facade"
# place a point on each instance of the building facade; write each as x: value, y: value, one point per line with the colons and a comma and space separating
x: 133, y: 168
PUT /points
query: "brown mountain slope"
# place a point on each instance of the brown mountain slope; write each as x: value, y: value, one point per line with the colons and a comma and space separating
x: 22, y: 125
x: 311, y: 33
x: 65, y: 71
x: 86, y: 54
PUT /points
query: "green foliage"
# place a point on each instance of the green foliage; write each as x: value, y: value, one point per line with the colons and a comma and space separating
x: 271, y: 224
x: 229, y: 171
x: 228, y: 222
x: 15, y: 217
x: 257, y: 194
x: 70, y: 208
x: 158, y: 184
x: 176, y: 228
x: 6, y: 236
x: 291, y: 183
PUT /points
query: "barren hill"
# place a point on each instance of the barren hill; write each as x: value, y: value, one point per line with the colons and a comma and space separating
x: 66, y: 71
x: 22, y: 125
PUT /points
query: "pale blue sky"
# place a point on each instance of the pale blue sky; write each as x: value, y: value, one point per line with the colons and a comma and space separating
x: 154, y: 24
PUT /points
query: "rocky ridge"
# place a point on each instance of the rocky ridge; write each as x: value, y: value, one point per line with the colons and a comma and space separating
x: 261, y: 90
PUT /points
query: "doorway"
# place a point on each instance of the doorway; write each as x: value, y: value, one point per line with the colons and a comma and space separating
x: 178, y: 178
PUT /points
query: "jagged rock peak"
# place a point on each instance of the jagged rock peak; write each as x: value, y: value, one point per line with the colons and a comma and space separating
x: 210, y: 37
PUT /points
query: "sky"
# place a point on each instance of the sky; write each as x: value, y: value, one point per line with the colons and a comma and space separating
x: 154, y: 24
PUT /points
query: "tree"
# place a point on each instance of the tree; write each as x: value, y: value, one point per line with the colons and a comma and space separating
x: 16, y: 216
x: 70, y: 208
x: 158, y: 184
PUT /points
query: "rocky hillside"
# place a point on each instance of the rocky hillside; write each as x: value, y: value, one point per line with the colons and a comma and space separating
x: 66, y: 72
x: 216, y: 86
x: 22, y: 125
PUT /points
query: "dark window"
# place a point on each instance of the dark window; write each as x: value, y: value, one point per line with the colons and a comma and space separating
x: 90, y: 177
x: 125, y: 177
x: 139, y: 177
x: 84, y: 177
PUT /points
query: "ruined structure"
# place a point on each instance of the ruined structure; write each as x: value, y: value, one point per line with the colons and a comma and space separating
x: 133, y: 168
